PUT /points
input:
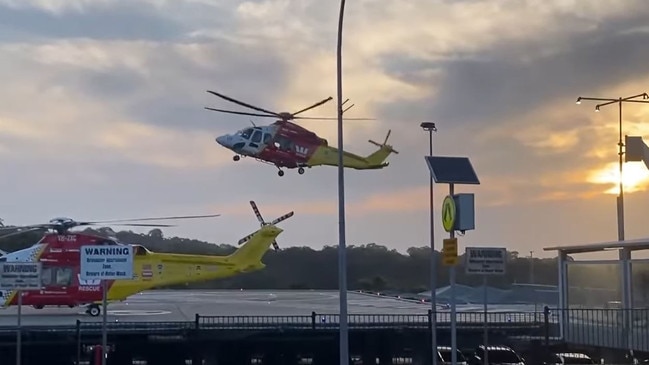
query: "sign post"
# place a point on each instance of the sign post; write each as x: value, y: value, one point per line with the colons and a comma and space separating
x: 457, y: 215
x: 106, y: 263
x: 18, y: 277
x: 485, y: 261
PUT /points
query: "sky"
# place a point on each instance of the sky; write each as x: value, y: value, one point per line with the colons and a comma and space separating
x: 102, y: 114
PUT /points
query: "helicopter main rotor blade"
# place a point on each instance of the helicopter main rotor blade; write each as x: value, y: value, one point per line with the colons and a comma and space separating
x: 242, y: 103
x: 144, y: 225
x: 240, y: 113
x: 344, y: 118
x: 156, y: 218
x: 19, y: 232
x: 312, y: 106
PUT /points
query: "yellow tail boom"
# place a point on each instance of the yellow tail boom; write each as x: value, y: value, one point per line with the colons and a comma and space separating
x: 326, y: 155
x: 155, y: 270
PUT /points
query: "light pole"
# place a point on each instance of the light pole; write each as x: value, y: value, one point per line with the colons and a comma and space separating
x: 532, y: 267
x: 620, y: 143
x: 342, y: 248
x: 430, y: 128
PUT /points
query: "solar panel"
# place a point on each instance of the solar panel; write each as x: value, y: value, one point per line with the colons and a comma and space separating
x: 452, y: 170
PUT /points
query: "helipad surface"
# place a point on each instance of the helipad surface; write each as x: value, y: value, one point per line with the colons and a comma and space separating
x: 182, y: 305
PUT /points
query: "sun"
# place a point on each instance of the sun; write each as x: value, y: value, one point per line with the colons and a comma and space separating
x: 635, y: 177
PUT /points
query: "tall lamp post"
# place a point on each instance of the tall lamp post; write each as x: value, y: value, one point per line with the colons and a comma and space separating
x: 342, y: 247
x: 430, y: 128
x: 620, y: 143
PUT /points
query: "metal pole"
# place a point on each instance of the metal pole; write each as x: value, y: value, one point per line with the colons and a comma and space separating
x: 19, y: 331
x: 451, y: 191
x: 78, y: 343
x: 433, y: 257
x: 486, y: 332
x: 532, y: 267
x: 342, y: 254
x: 620, y: 199
x: 104, y: 336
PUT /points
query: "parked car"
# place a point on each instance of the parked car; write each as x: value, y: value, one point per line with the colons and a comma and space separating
x: 496, y: 355
x: 569, y: 358
x: 444, y: 356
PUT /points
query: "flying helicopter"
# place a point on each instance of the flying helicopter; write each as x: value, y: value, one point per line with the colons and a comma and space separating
x: 59, y: 253
x: 288, y: 145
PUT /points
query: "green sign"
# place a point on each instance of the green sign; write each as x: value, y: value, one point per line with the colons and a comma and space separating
x: 448, y: 213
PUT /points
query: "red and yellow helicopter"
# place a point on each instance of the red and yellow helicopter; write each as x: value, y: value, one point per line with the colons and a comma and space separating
x: 59, y: 254
x: 287, y: 145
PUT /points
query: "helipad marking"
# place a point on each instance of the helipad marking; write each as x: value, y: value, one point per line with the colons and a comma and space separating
x: 134, y: 312
x: 137, y: 312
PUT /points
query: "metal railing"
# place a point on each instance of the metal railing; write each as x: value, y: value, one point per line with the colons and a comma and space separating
x: 612, y: 328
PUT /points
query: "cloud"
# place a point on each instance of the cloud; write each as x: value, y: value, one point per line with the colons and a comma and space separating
x: 115, y: 113
x: 96, y: 20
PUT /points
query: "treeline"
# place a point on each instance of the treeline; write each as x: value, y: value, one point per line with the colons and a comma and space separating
x: 370, y: 266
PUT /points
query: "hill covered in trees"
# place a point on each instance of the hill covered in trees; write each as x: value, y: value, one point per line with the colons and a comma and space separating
x: 370, y: 266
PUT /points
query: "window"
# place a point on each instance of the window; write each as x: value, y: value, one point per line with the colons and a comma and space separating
x: 256, y: 137
x: 446, y: 355
x: 246, y: 133
x: 63, y: 276
x: 503, y: 356
x: 140, y: 251
x: 267, y: 138
x: 56, y: 276
x: 283, y: 143
x: 46, y: 276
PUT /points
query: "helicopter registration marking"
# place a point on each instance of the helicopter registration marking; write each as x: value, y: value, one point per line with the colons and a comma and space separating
x: 66, y: 238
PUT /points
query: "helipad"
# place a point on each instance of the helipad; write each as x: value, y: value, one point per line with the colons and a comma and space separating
x: 182, y: 305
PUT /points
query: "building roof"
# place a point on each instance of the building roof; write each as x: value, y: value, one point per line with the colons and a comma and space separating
x: 633, y: 245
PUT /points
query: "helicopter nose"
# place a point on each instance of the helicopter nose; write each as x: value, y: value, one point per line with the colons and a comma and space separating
x: 222, y: 140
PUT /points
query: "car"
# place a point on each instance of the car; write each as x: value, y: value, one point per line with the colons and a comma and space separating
x: 444, y: 356
x: 496, y: 355
x: 567, y: 358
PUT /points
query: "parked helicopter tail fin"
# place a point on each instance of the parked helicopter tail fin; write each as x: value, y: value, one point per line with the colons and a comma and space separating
x: 249, y: 255
x: 377, y: 158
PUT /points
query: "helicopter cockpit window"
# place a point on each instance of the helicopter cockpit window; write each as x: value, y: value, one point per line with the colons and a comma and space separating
x: 256, y: 137
x: 245, y: 133
x: 267, y: 138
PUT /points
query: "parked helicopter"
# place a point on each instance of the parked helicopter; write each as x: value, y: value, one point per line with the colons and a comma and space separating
x: 286, y: 144
x: 59, y: 253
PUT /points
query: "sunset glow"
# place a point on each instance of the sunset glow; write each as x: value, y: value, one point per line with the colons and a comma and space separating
x: 635, y: 175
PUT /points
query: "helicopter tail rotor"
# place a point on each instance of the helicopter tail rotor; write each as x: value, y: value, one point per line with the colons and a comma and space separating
x: 385, y: 143
x: 264, y: 223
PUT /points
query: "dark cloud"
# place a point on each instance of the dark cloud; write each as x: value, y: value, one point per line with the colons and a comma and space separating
x: 119, y: 20
x: 496, y: 84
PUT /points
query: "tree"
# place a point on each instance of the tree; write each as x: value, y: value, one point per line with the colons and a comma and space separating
x: 371, y: 266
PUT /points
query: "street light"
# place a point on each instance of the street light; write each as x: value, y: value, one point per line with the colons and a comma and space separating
x: 620, y: 143
x: 430, y: 128
x: 342, y: 247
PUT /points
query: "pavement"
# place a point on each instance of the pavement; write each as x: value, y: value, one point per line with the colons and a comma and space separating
x: 182, y: 305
